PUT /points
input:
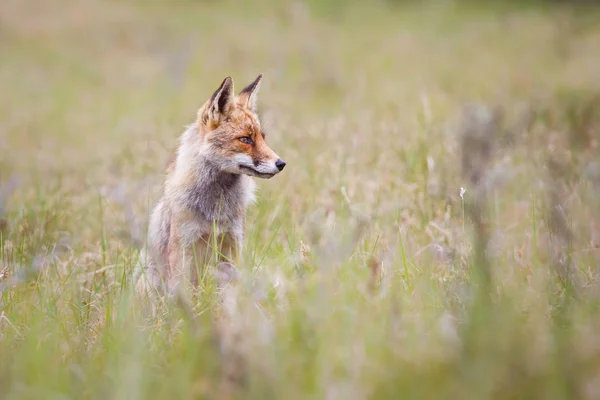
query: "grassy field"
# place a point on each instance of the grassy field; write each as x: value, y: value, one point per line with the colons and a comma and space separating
x: 436, y: 233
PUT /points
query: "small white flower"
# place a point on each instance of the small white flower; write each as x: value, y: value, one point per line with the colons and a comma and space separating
x: 462, y: 192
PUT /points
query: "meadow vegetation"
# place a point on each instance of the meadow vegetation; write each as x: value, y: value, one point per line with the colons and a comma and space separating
x: 435, y: 234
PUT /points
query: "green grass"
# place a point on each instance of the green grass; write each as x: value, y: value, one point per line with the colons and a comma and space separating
x: 363, y: 273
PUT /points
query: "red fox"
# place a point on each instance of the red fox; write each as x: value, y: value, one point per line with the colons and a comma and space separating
x: 200, y: 219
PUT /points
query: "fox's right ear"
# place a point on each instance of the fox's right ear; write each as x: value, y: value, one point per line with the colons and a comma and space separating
x: 219, y: 104
x: 249, y: 94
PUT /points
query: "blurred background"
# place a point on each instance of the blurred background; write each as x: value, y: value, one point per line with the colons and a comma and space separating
x: 435, y: 233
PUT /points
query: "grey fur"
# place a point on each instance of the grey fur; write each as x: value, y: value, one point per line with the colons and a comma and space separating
x: 207, y: 191
x: 215, y: 198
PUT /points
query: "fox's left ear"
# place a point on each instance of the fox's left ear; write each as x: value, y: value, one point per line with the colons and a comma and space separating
x: 248, y: 96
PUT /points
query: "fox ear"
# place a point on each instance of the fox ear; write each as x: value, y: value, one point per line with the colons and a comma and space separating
x: 248, y: 96
x: 220, y: 102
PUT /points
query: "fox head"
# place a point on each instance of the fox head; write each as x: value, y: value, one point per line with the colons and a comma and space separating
x: 232, y: 135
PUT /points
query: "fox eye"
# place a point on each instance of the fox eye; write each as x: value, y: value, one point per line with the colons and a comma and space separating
x: 246, y: 140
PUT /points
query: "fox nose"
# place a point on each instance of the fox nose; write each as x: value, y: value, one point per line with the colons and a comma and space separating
x: 280, y: 164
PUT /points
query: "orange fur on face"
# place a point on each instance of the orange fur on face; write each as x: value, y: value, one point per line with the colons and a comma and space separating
x: 239, y: 122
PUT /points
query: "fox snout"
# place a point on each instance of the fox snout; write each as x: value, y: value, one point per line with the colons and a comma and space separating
x: 265, y: 169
